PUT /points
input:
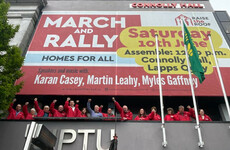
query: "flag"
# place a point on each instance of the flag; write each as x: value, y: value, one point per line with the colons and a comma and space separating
x: 196, y: 66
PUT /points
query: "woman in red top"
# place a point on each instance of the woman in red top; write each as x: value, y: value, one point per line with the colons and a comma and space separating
x: 203, y: 117
x: 83, y: 112
x: 170, y: 116
x: 142, y: 115
x: 31, y: 115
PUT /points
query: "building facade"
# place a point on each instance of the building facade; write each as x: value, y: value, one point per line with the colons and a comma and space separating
x: 100, y: 49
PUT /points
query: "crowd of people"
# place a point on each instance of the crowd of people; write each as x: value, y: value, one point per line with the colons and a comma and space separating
x: 71, y: 109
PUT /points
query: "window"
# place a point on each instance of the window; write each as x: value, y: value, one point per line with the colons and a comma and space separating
x: 222, y: 16
x: 226, y: 26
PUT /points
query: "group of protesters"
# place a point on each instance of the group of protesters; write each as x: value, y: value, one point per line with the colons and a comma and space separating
x: 71, y: 109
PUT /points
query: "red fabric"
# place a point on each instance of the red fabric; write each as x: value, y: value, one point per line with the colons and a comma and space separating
x: 55, y: 112
x: 104, y: 114
x: 12, y: 114
x: 170, y: 117
x: 40, y: 112
x: 78, y: 112
x: 27, y: 115
x: 69, y: 111
x: 141, y: 118
x: 154, y: 116
x: 128, y: 115
x: 185, y: 116
x: 206, y: 118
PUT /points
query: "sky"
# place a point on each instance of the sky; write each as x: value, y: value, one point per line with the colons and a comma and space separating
x: 221, y: 5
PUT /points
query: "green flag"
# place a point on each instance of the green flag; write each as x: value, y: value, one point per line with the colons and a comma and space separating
x: 193, y: 55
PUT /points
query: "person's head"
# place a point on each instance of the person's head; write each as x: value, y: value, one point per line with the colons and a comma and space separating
x: 19, y: 107
x: 46, y: 108
x: 32, y: 111
x: 170, y: 111
x: 125, y: 108
x: 201, y: 112
x: 142, y: 112
x: 84, y: 111
x: 60, y: 108
x: 96, y: 108
x: 181, y: 109
x: 109, y: 111
x: 71, y: 103
x: 154, y: 108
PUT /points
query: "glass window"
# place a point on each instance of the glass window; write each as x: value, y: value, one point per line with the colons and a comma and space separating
x: 222, y: 15
x: 226, y: 26
x: 228, y: 36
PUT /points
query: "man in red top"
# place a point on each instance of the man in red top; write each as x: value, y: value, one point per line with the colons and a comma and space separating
x: 15, y: 114
x: 170, y: 116
x: 82, y: 113
x: 57, y: 113
x: 70, y: 109
x: 109, y: 112
x: 182, y: 115
x: 203, y: 117
x: 153, y: 115
x: 42, y: 113
x: 125, y: 113
x: 31, y: 115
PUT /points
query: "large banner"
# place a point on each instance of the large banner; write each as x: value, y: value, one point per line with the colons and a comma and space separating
x: 113, y: 53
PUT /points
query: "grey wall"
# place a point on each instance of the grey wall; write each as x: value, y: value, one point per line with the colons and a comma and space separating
x: 106, y: 5
x: 131, y: 135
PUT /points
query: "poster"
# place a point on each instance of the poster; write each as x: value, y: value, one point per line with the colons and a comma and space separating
x: 114, y: 53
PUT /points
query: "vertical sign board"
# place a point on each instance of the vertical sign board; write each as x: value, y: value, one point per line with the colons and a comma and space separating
x: 113, y: 53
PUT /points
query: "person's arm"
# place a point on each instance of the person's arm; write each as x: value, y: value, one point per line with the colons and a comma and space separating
x: 191, y: 112
x: 137, y: 118
x: 130, y: 117
x: 118, y: 106
x: 66, y: 106
x: 88, y: 106
x: 52, y: 109
x: 157, y: 117
x: 176, y: 117
x: 209, y: 119
x: 22, y: 117
x: 151, y: 115
x: 25, y: 109
x: 77, y: 109
x: 37, y: 108
x: 10, y: 109
x: 100, y: 108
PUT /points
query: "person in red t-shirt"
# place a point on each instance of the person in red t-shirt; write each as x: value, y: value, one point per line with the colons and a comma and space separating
x: 57, y: 113
x: 182, y: 115
x: 83, y: 112
x: 203, y: 117
x: 125, y: 113
x: 15, y: 114
x: 170, y: 116
x: 142, y: 115
x: 153, y: 115
x: 31, y: 115
x: 109, y: 112
x: 42, y: 113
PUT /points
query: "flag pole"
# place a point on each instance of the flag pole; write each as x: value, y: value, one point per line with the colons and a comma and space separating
x: 200, y: 143
x: 164, y: 143
x: 219, y: 74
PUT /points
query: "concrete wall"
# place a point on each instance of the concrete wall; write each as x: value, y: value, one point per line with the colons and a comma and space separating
x: 25, y: 14
x: 131, y: 135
